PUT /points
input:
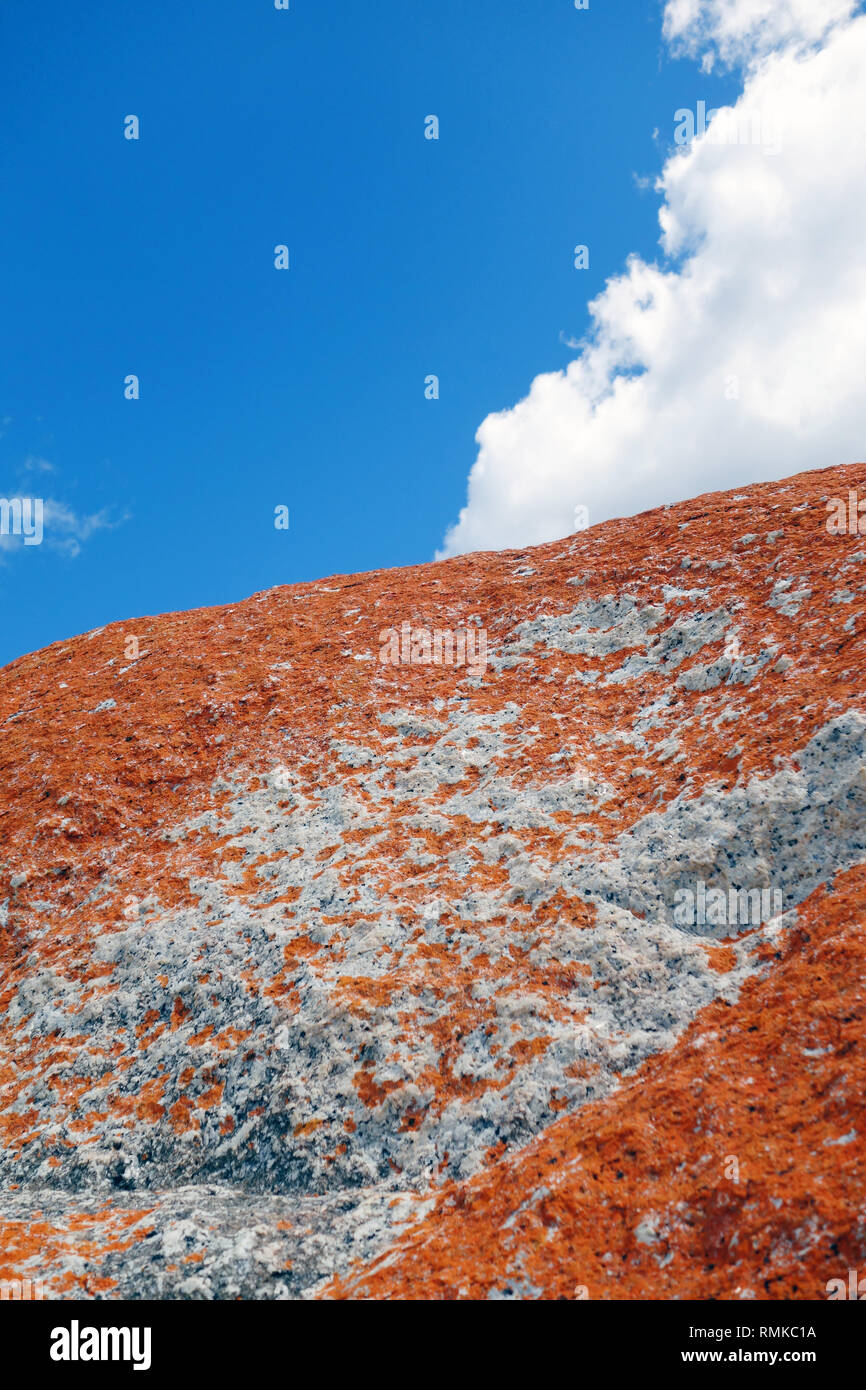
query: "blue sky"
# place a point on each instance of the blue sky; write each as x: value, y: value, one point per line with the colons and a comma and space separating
x: 306, y: 387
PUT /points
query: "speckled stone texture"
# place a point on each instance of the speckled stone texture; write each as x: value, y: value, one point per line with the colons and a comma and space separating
x: 323, y: 977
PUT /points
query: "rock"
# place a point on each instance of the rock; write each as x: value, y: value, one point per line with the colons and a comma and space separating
x: 439, y: 979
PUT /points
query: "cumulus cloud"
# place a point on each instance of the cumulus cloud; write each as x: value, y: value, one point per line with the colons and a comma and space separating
x: 738, y: 356
x: 741, y: 31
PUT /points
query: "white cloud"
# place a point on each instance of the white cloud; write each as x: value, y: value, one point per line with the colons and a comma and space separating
x: 66, y: 531
x: 741, y: 31
x: 740, y: 357
x: 57, y: 526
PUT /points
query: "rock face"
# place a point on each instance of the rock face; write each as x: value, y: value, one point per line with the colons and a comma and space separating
x: 524, y: 962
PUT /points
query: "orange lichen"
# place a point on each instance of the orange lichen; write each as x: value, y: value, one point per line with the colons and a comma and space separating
x: 101, y: 812
x: 693, y: 1145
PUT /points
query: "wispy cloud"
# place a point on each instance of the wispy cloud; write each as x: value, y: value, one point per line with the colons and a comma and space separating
x: 66, y: 530
x: 60, y: 527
